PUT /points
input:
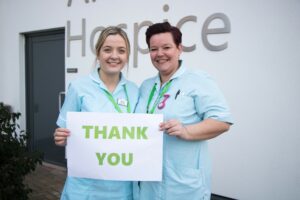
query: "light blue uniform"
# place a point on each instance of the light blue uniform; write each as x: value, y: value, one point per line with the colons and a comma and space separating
x: 86, y: 95
x: 194, y: 96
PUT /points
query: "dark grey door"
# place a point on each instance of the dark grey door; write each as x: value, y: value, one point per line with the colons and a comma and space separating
x: 45, y: 80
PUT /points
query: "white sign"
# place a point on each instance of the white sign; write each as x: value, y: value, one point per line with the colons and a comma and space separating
x: 114, y: 146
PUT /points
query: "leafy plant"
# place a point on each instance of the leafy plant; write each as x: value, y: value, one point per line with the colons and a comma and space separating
x: 16, y: 160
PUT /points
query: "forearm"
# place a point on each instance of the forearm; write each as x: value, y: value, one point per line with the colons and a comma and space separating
x: 204, y: 130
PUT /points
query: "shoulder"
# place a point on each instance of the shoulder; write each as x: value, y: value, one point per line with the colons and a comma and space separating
x: 149, y: 82
x: 196, y: 74
x: 131, y: 85
x: 198, y: 81
x: 80, y: 82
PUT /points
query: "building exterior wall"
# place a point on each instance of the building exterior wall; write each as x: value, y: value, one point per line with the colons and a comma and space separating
x: 258, y: 73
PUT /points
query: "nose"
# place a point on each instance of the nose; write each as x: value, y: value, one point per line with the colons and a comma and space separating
x: 114, y: 54
x: 159, y: 51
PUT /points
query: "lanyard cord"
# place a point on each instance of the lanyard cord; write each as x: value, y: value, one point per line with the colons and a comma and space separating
x: 112, y: 100
x: 162, y: 92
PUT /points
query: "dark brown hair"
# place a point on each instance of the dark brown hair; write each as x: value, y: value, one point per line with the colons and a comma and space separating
x: 163, y: 27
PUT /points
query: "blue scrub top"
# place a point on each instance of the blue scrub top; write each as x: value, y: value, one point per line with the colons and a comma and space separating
x: 194, y: 97
x: 86, y: 95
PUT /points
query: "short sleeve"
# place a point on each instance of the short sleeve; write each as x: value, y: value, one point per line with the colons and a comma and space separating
x: 72, y: 103
x: 210, y: 102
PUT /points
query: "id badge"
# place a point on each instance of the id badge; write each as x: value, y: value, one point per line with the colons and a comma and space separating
x: 122, y: 102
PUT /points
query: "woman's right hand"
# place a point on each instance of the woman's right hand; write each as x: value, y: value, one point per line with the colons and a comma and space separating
x: 60, y: 136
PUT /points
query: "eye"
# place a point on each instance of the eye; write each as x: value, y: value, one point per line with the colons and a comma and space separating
x: 152, y: 49
x: 106, y: 50
x: 122, y: 51
x: 166, y: 47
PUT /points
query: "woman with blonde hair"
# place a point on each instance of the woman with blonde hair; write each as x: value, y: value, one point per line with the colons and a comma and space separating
x: 104, y: 90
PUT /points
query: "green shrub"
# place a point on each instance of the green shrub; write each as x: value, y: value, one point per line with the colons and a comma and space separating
x: 16, y: 160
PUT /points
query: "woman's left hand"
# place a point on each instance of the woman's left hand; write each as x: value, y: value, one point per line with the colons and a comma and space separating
x: 175, y: 128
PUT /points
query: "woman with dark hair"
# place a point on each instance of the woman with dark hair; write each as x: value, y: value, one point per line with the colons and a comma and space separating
x: 194, y: 111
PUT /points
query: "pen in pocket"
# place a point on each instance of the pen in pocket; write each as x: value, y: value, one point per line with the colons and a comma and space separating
x: 177, y: 93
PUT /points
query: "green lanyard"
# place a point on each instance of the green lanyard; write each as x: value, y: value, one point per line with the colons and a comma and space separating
x: 161, y: 94
x: 112, y: 100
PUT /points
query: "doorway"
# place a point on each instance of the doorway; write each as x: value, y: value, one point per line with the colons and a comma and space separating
x: 45, y: 82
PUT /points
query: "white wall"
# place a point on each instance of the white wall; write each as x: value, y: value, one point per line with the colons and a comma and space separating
x: 259, y: 158
x: 258, y: 73
x: 17, y: 17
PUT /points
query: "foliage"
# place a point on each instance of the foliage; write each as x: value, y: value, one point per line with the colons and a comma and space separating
x: 16, y: 160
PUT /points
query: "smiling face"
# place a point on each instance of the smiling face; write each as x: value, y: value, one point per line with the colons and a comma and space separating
x: 113, y: 55
x: 164, y: 53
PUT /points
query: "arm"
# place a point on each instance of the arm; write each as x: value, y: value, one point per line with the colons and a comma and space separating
x: 206, y: 129
x: 71, y: 103
x: 210, y: 105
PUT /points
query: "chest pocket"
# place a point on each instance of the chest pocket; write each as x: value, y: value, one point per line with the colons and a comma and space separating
x: 183, y: 107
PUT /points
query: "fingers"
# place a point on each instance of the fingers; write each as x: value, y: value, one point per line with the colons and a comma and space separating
x: 168, y: 124
x: 172, y: 127
x: 60, y: 136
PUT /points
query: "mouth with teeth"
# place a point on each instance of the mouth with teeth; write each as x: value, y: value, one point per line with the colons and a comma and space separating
x: 161, y: 61
x: 113, y: 62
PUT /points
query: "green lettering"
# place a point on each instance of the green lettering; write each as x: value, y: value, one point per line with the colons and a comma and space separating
x: 100, y: 158
x: 113, y: 159
x: 141, y: 133
x: 98, y: 132
x: 114, y: 132
x: 126, y: 132
x: 129, y: 162
x: 87, y: 131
